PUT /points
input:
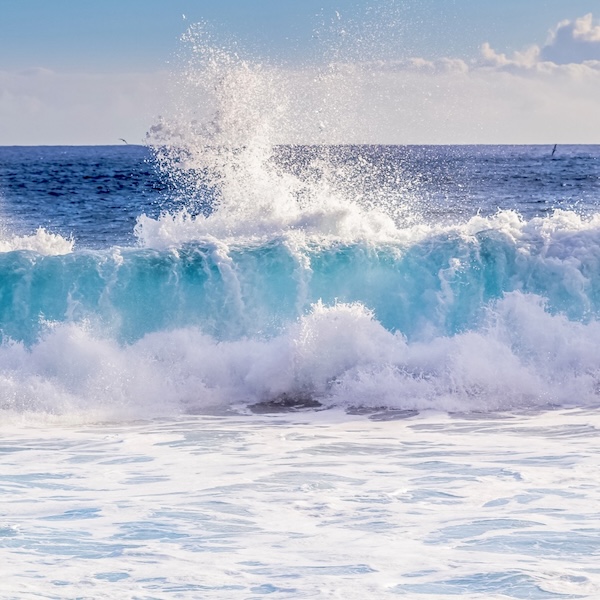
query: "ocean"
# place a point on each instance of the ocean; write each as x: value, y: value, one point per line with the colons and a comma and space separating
x: 299, y: 371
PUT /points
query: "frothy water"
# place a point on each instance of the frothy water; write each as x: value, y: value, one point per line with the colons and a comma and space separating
x: 319, y: 504
x: 232, y: 171
x: 41, y: 242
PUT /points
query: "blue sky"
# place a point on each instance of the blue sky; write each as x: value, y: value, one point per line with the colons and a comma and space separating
x: 106, y: 56
x: 125, y: 35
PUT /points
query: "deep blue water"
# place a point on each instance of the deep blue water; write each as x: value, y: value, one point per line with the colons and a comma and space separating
x: 95, y: 193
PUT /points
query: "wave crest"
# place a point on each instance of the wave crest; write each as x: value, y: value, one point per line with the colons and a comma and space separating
x: 42, y: 242
x: 340, y: 355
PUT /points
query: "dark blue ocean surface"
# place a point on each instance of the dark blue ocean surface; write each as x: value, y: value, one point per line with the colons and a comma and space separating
x: 92, y: 193
x: 95, y: 193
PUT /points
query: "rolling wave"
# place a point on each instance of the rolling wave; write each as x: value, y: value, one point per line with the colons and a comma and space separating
x: 493, y: 314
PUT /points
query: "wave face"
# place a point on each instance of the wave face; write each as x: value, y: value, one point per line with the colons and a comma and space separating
x: 440, y: 283
x: 227, y: 266
x: 493, y: 314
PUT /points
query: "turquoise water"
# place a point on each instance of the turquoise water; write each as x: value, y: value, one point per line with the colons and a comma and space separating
x: 444, y: 281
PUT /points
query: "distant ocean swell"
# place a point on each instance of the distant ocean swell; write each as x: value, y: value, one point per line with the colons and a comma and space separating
x: 493, y: 314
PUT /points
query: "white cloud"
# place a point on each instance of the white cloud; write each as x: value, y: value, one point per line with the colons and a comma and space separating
x: 573, y: 42
x: 526, y: 59
x: 572, y: 48
x: 420, y: 65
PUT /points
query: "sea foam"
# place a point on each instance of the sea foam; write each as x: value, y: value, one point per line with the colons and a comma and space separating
x: 41, y: 242
x: 520, y: 357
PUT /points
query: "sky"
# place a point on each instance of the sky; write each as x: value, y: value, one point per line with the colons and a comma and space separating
x: 417, y: 71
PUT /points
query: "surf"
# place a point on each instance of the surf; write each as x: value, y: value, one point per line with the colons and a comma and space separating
x: 281, y: 274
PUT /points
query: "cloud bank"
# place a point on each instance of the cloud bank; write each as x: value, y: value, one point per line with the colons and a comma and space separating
x: 573, y: 47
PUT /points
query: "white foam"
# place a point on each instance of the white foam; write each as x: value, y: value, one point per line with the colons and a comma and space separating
x: 42, y: 242
x: 313, y: 505
x: 521, y: 357
x: 222, y: 141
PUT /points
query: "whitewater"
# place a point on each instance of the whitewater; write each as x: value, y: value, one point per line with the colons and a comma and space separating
x: 234, y: 365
